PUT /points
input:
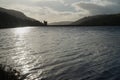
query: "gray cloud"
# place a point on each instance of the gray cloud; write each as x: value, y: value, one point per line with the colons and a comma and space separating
x: 103, y: 7
x: 59, y: 6
x: 61, y: 10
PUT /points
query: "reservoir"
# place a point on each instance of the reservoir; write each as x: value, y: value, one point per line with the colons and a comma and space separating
x: 62, y: 53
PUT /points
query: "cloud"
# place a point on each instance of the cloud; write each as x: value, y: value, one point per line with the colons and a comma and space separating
x: 46, y: 13
x: 50, y: 10
x: 62, y: 10
x: 95, y: 7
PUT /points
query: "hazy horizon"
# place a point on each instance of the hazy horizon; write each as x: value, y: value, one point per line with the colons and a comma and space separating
x: 62, y: 10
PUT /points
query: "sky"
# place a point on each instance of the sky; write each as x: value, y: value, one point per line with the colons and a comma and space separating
x: 62, y: 10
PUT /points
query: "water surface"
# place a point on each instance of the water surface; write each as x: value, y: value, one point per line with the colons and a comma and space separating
x: 62, y: 53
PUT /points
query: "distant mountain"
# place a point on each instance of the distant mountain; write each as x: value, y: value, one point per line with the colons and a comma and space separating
x: 61, y: 23
x: 99, y: 20
x: 13, y: 18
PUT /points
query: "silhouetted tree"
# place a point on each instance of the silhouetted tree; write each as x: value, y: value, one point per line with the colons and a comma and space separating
x: 45, y: 23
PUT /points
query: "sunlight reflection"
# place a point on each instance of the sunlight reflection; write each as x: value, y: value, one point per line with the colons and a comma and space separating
x: 21, y: 30
x: 23, y: 54
x: 22, y: 59
x: 22, y: 51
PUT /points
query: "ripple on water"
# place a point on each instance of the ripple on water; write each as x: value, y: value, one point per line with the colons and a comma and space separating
x: 62, y: 53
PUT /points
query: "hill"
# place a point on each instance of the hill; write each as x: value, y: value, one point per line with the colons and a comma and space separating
x: 61, y: 23
x: 99, y: 20
x: 13, y: 18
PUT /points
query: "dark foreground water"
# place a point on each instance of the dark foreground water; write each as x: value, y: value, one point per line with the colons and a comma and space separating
x: 62, y: 53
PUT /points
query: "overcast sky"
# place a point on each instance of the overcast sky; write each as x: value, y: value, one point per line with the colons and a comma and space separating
x: 62, y: 10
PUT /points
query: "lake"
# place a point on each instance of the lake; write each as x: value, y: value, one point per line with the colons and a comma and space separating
x: 62, y: 53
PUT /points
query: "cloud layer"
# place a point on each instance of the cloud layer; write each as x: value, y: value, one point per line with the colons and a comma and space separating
x: 62, y: 10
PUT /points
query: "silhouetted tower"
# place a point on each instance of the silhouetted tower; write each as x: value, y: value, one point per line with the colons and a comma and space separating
x: 45, y: 23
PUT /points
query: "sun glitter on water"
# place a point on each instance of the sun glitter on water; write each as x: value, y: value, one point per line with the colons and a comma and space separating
x: 22, y: 30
